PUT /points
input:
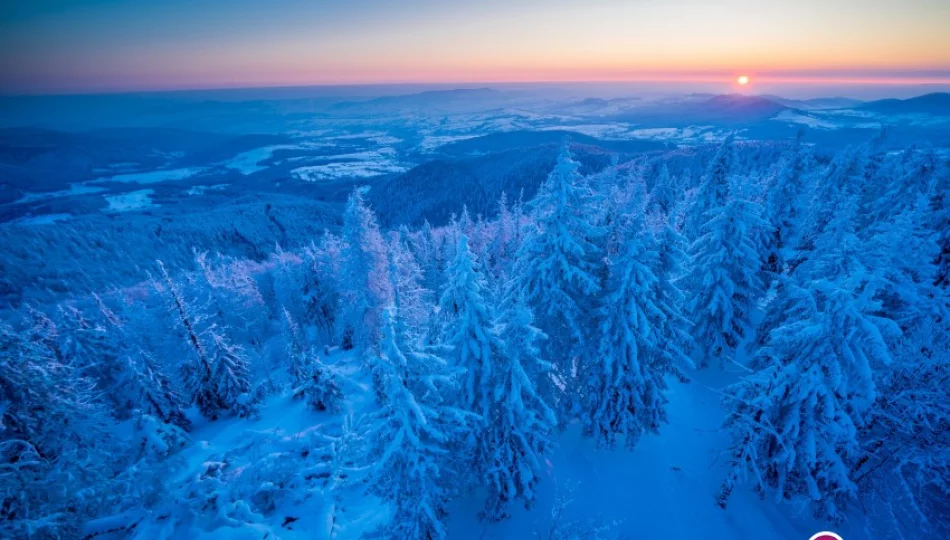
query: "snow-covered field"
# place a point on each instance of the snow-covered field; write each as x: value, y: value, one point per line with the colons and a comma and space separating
x: 806, y: 120
x: 431, y: 142
x: 249, y: 162
x: 43, y: 219
x: 346, y: 169
x: 690, y: 134
x: 353, y: 165
x: 133, y: 200
x: 201, y: 190
x: 74, y: 189
x: 153, y: 177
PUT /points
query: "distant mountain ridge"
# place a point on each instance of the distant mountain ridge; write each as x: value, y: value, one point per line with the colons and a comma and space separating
x: 509, y: 140
x: 428, y: 100
x: 937, y: 103
x: 724, y: 109
x: 816, y: 103
x: 743, y: 104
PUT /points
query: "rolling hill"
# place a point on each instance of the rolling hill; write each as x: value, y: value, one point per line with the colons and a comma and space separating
x: 937, y: 103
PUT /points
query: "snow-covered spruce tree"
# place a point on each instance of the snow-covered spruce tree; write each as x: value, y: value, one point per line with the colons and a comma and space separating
x: 673, y: 327
x: 518, y: 214
x: 412, y: 299
x: 905, y: 463
x: 427, y: 249
x: 216, y: 378
x: 288, y: 275
x: 230, y: 382
x: 894, y: 220
x: 785, y: 208
x: 940, y: 222
x: 893, y: 257
x: 95, y: 347
x: 914, y: 177
x: 127, y: 378
x: 794, y: 424
x: 623, y: 394
x: 465, y: 224
x: 837, y: 255
x: 723, y: 280
x: 941, y: 219
x: 663, y: 193
x: 231, y: 283
x: 469, y: 330
x: 55, y: 469
x: 902, y: 252
x: 408, y: 438
x: 195, y: 372
x: 843, y: 178
x: 503, y: 246
x: 298, y: 365
x: 624, y: 206
x: 322, y: 284
x: 713, y: 190
x: 559, y: 264
x: 153, y: 391
x: 365, y: 289
x: 310, y: 378
x: 233, y: 300
x: 518, y: 429
x: 411, y: 319
x: 143, y: 380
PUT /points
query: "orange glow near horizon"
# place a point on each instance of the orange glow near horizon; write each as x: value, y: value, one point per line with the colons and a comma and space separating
x: 158, y: 80
x: 179, y: 44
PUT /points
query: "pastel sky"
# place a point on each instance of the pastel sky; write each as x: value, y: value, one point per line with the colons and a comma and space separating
x: 116, y: 45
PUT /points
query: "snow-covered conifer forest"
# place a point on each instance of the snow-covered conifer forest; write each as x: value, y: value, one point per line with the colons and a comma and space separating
x: 726, y: 339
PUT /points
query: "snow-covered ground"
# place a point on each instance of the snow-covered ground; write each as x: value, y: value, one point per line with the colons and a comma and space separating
x: 431, y: 142
x: 254, y: 455
x: 353, y: 165
x: 664, y: 488
x: 693, y: 134
x: 249, y: 162
x: 201, y: 190
x: 807, y: 120
x: 74, y: 189
x: 133, y: 200
x: 153, y: 177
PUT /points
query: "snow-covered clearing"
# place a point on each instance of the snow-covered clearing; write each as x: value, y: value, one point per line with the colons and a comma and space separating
x: 354, y: 165
x: 807, y: 120
x: 74, y: 189
x: 43, y: 219
x: 153, y: 177
x: 249, y: 162
x: 133, y: 200
x: 664, y: 488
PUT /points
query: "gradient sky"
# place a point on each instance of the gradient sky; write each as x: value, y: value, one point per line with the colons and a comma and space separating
x: 117, y: 45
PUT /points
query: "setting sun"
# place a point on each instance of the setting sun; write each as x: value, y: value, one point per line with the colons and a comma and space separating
x: 743, y: 79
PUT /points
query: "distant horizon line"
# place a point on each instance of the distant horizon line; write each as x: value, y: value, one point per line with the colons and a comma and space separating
x: 726, y: 80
